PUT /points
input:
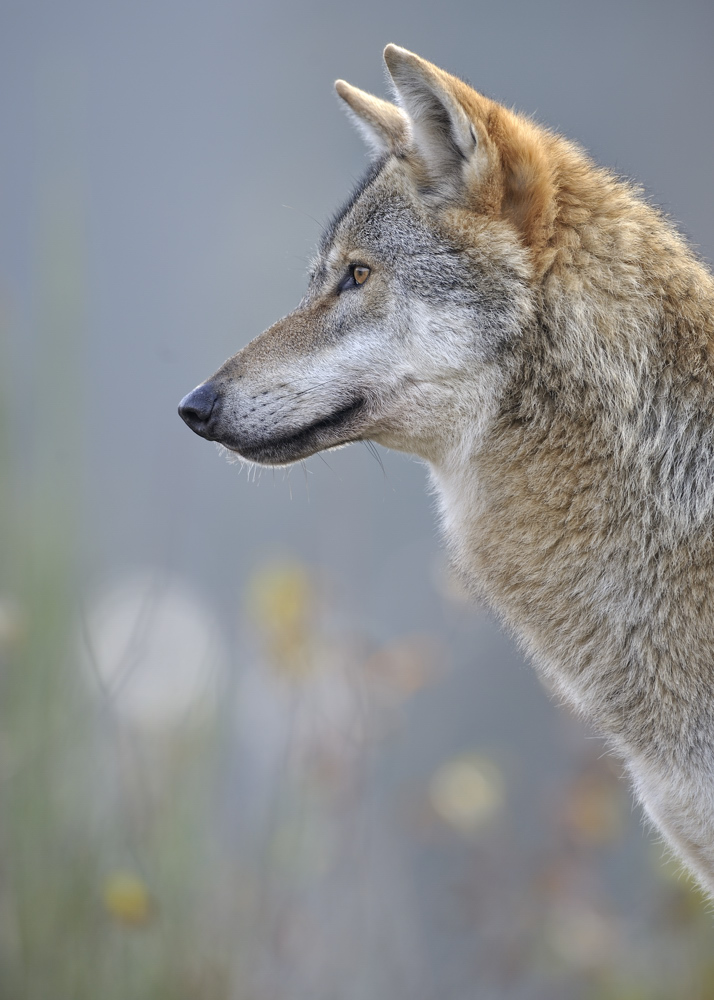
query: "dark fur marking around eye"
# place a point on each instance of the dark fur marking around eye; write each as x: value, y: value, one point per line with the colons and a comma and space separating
x: 369, y: 178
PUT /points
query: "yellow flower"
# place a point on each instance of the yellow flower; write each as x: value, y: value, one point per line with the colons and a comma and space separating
x: 12, y: 622
x: 282, y: 601
x: 281, y: 596
x: 127, y: 899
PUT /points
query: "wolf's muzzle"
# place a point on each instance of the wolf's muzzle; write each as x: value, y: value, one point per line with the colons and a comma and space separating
x: 199, y: 407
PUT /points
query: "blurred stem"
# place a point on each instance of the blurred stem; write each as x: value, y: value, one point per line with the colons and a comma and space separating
x: 39, y: 516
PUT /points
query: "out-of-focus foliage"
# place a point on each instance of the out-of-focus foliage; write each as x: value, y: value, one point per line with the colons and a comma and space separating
x: 243, y: 850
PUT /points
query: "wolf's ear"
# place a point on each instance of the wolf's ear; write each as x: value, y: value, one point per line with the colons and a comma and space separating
x: 442, y: 133
x: 383, y: 125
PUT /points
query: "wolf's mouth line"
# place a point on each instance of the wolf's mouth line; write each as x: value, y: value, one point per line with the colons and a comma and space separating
x: 290, y: 441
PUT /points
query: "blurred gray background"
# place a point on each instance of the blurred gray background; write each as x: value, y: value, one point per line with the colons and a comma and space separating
x: 436, y: 826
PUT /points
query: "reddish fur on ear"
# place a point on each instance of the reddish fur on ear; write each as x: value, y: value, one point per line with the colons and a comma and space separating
x: 529, y: 188
x: 519, y: 183
x: 511, y: 175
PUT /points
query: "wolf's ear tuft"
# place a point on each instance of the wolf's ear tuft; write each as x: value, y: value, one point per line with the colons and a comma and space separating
x: 443, y: 134
x: 383, y: 125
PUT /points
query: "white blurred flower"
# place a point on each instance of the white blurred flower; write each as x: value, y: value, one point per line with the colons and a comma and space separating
x: 466, y: 792
x: 154, y: 649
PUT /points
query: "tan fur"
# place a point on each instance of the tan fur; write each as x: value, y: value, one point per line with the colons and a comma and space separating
x: 563, y: 396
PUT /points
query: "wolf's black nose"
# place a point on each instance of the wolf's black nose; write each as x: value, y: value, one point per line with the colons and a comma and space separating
x: 197, y: 407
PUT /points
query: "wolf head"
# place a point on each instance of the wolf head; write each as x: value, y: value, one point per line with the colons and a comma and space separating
x: 418, y: 295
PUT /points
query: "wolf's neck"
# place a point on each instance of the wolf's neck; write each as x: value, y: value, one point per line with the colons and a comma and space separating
x: 583, y: 546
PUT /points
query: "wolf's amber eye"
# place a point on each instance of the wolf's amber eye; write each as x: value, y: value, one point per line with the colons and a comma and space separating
x: 360, y: 274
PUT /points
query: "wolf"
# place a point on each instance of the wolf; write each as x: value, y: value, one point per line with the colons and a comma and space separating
x: 493, y: 302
